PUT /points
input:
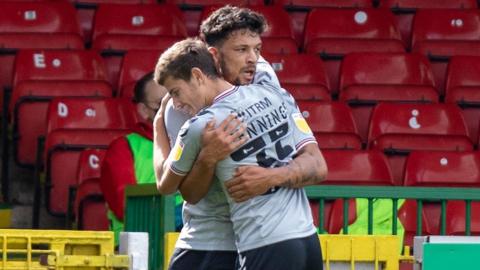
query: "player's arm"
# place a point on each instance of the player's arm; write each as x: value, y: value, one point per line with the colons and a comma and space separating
x: 307, y: 168
x: 217, y: 144
x: 167, y: 181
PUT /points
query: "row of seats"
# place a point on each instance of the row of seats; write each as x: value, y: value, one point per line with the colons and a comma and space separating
x: 346, y: 167
x: 453, y: 32
x: 74, y: 124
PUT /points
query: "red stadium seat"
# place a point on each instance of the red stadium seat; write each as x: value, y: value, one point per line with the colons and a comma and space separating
x: 333, y: 33
x: 90, y: 208
x: 136, y: 64
x: 407, y: 214
x: 357, y: 167
x: 119, y: 28
x: 332, y: 124
x: 75, y: 124
x: 86, y: 12
x: 437, y: 168
x: 463, y: 88
x: 351, y: 167
x: 456, y: 213
x: 298, y: 10
x: 404, y: 11
x: 32, y: 25
x: 41, y: 75
x: 368, y: 78
x: 398, y: 129
x: 453, y: 32
x: 303, y: 75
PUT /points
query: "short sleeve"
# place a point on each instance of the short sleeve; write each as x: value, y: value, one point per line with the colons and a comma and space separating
x: 174, y: 121
x: 302, y: 134
x: 187, y: 146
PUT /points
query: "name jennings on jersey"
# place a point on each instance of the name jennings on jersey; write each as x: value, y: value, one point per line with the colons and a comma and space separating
x: 261, y: 117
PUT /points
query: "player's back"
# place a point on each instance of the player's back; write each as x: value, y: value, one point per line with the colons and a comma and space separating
x: 276, y: 131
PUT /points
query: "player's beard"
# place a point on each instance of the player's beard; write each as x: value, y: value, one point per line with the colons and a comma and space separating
x: 223, y: 70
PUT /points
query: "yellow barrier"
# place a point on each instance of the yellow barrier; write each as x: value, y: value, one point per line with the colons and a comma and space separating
x: 55, y: 249
x: 381, y: 251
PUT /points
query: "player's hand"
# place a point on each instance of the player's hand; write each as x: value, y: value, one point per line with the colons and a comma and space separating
x: 161, y: 111
x: 219, y: 142
x: 248, y: 182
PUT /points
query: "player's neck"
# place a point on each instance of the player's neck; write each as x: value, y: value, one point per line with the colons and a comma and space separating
x: 219, y: 86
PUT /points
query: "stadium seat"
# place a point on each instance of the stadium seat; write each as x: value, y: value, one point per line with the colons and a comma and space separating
x: 279, y: 37
x: 332, y: 124
x: 443, y: 168
x: 398, y: 129
x: 456, y: 213
x: 41, y: 75
x: 368, y: 78
x: 32, y: 25
x: 89, y: 208
x: 351, y: 167
x: 74, y: 124
x: 404, y: 11
x: 119, y: 28
x: 136, y: 63
x: 86, y: 12
x: 332, y: 33
x: 303, y: 75
x: 463, y: 88
x: 357, y: 167
x: 453, y: 32
x: 298, y: 10
x: 408, y: 217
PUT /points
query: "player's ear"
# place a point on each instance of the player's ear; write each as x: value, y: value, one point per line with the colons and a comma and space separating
x: 142, y: 110
x: 198, y: 75
x: 216, y: 57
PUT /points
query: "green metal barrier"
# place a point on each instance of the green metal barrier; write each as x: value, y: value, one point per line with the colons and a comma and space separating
x: 321, y: 193
x: 147, y: 211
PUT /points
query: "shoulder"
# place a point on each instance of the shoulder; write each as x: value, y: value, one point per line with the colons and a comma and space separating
x: 194, y: 126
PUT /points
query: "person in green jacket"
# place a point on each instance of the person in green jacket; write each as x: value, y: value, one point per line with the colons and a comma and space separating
x: 129, y: 159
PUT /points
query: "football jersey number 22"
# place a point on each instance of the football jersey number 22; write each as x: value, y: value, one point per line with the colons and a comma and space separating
x: 259, y: 144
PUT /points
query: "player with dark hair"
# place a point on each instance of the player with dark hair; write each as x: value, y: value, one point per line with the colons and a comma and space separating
x: 274, y: 230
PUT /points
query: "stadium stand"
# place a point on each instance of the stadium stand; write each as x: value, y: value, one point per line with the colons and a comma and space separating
x: 41, y: 75
x: 35, y: 25
x: 75, y: 124
x: 453, y: 32
x: 332, y: 33
x: 135, y: 65
x: 89, y: 208
x: 463, y: 88
x: 303, y: 75
x: 369, y: 78
x: 398, y: 129
x: 405, y: 10
x: 332, y: 124
x: 119, y: 28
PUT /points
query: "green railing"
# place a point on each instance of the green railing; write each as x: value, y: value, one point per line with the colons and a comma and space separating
x: 147, y: 211
x: 321, y: 193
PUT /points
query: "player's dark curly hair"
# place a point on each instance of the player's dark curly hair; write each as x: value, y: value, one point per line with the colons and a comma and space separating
x: 223, y: 21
